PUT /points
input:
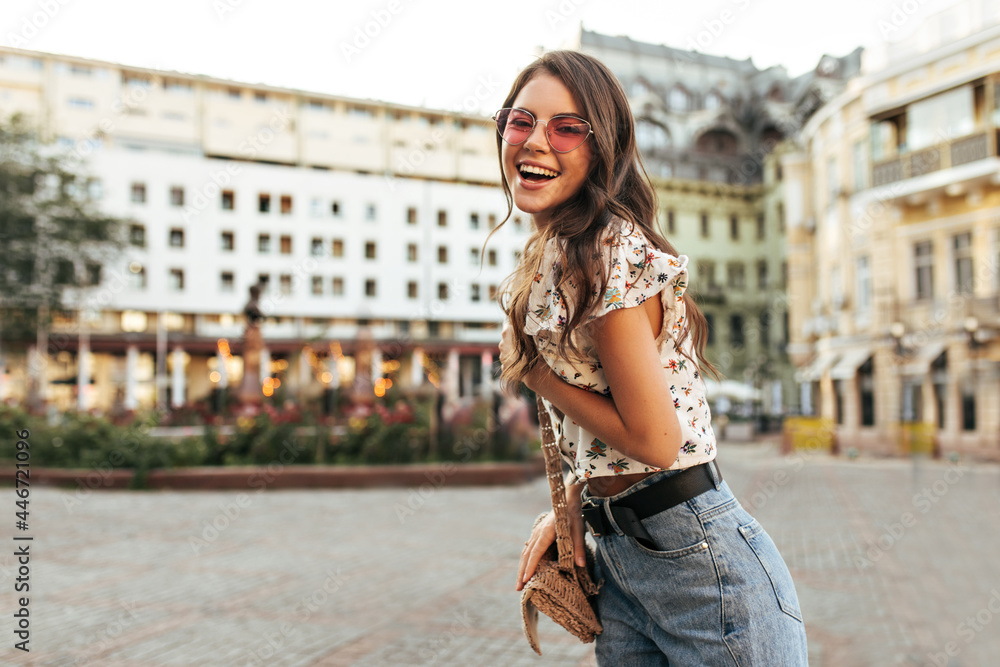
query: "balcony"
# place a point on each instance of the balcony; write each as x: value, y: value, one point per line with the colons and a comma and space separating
x: 955, y: 153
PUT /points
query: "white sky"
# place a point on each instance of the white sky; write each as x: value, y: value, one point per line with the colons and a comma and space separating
x: 445, y: 54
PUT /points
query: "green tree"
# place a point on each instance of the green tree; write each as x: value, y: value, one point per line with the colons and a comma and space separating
x: 54, y: 237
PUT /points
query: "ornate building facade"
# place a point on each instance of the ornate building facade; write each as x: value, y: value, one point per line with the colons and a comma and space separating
x: 893, y: 207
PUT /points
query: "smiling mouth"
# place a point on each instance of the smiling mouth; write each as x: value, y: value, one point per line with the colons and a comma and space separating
x: 534, y: 174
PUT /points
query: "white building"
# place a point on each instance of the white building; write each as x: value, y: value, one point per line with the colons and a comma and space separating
x: 359, y: 216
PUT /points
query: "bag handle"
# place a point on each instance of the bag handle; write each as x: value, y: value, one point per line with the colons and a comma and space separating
x: 553, y: 470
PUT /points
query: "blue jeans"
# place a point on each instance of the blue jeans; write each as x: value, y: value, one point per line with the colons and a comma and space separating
x: 714, y: 592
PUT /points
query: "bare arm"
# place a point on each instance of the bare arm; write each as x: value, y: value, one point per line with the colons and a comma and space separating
x: 638, y: 420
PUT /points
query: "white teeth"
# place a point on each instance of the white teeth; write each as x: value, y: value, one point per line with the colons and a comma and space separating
x: 532, y: 169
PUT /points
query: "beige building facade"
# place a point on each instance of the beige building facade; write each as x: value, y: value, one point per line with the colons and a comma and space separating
x: 893, y: 208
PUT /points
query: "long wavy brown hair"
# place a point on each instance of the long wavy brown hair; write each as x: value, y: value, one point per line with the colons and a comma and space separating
x: 616, y: 187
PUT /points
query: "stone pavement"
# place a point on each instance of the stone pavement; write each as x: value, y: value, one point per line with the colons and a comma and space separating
x: 896, y: 563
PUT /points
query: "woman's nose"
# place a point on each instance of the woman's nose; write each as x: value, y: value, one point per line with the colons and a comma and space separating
x: 537, y: 138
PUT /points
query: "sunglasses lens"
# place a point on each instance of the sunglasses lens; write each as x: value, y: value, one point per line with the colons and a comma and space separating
x: 567, y: 133
x: 514, y: 125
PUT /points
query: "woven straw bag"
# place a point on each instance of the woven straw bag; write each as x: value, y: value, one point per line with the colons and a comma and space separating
x: 559, y: 588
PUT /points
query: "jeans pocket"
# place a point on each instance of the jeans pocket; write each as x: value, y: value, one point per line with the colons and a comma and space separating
x: 770, y: 559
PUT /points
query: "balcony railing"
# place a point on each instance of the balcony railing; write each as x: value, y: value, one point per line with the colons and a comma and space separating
x: 963, y: 150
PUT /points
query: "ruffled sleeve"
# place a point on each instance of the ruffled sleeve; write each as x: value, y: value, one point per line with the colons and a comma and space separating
x: 639, y: 271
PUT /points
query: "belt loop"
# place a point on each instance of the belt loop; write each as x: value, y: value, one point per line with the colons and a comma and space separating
x: 715, y: 473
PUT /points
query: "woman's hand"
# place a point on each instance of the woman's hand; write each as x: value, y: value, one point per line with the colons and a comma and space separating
x: 544, y: 535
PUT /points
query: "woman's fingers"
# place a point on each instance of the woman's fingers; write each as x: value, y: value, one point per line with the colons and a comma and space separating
x: 579, y: 544
x: 541, y: 539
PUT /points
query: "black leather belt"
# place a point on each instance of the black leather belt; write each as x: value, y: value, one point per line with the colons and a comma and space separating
x: 630, y: 510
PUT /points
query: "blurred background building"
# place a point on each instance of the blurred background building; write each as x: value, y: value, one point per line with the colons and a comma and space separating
x: 362, y: 219
x: 893, y: 208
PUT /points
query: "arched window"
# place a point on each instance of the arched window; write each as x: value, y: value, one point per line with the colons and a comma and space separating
x: 717, y: 141
x: 713, y: 101
x: 651, y: 136
x: 679, y: 99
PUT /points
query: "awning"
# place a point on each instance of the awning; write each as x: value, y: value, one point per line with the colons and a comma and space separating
x: 849, y: 362
x: 813, y: 372
x: 921, y: 362
x: 737, y: 391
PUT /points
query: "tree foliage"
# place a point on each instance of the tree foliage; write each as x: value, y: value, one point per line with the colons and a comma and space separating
x: 55, y: 239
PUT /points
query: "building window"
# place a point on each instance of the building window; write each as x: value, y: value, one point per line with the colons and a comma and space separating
x: 370, y: 287
x: 176, y: 281
x: 411, y: 215
x: 411, y: 252
x: 492, y: 257
x: 735, y: 275
x: 962, y: 246
x: 761, y: 227
x: 710, y: 328
x: 764, y: 322
x: 176, y: 238
x: 493, y: 292
x: 706, y: 273
x: 781, y: 218
x: 734, y: 227
x: 370, y: 212
x: 265, y: 282
x: 736, y: 329
x: 762, y: 274
x: 473, y: 221
x: 338, y: 287
x: 317, y: 285
x: 227, y: 241
x: 264, y: 203
x: 335, y: 209
x: 369, y: 250
x: 286, y: 284
x: 316, y: 207
x: 704, y: 225
x: 137, y: 235
x: 442, y: 218
x: 264, y: 243
x: 517, y: 257
x: 860, y: 160
x: 226, y: 281
x: 866, y: 387
x: 286, y: 204
x: 474, y: 256
x: 337, y: 248
x: 228, y: 200
x: 474, y: 292
x: 411, y: 289
x: 93, y: 274
x: 492, y: 219
x: 316, y: 247
x: 671, y: 222
x: 177, y: 196
x: 137, y: 278
x: 443, y: 291
x: 286, y: 244
x: 923, y: 261
x: 138, y: 193
x: 968, y: 406
x: 863, y: 284
x: 442, y: 254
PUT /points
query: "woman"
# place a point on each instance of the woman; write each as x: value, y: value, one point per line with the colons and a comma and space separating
x: 608, y: 337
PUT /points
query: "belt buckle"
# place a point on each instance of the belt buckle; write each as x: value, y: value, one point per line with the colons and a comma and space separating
x: 593, y: 515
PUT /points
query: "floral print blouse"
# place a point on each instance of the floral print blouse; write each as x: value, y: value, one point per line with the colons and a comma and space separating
x: 638, y: 271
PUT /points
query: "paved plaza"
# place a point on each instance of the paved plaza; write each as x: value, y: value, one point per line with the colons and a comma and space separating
x: 895, y: 563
